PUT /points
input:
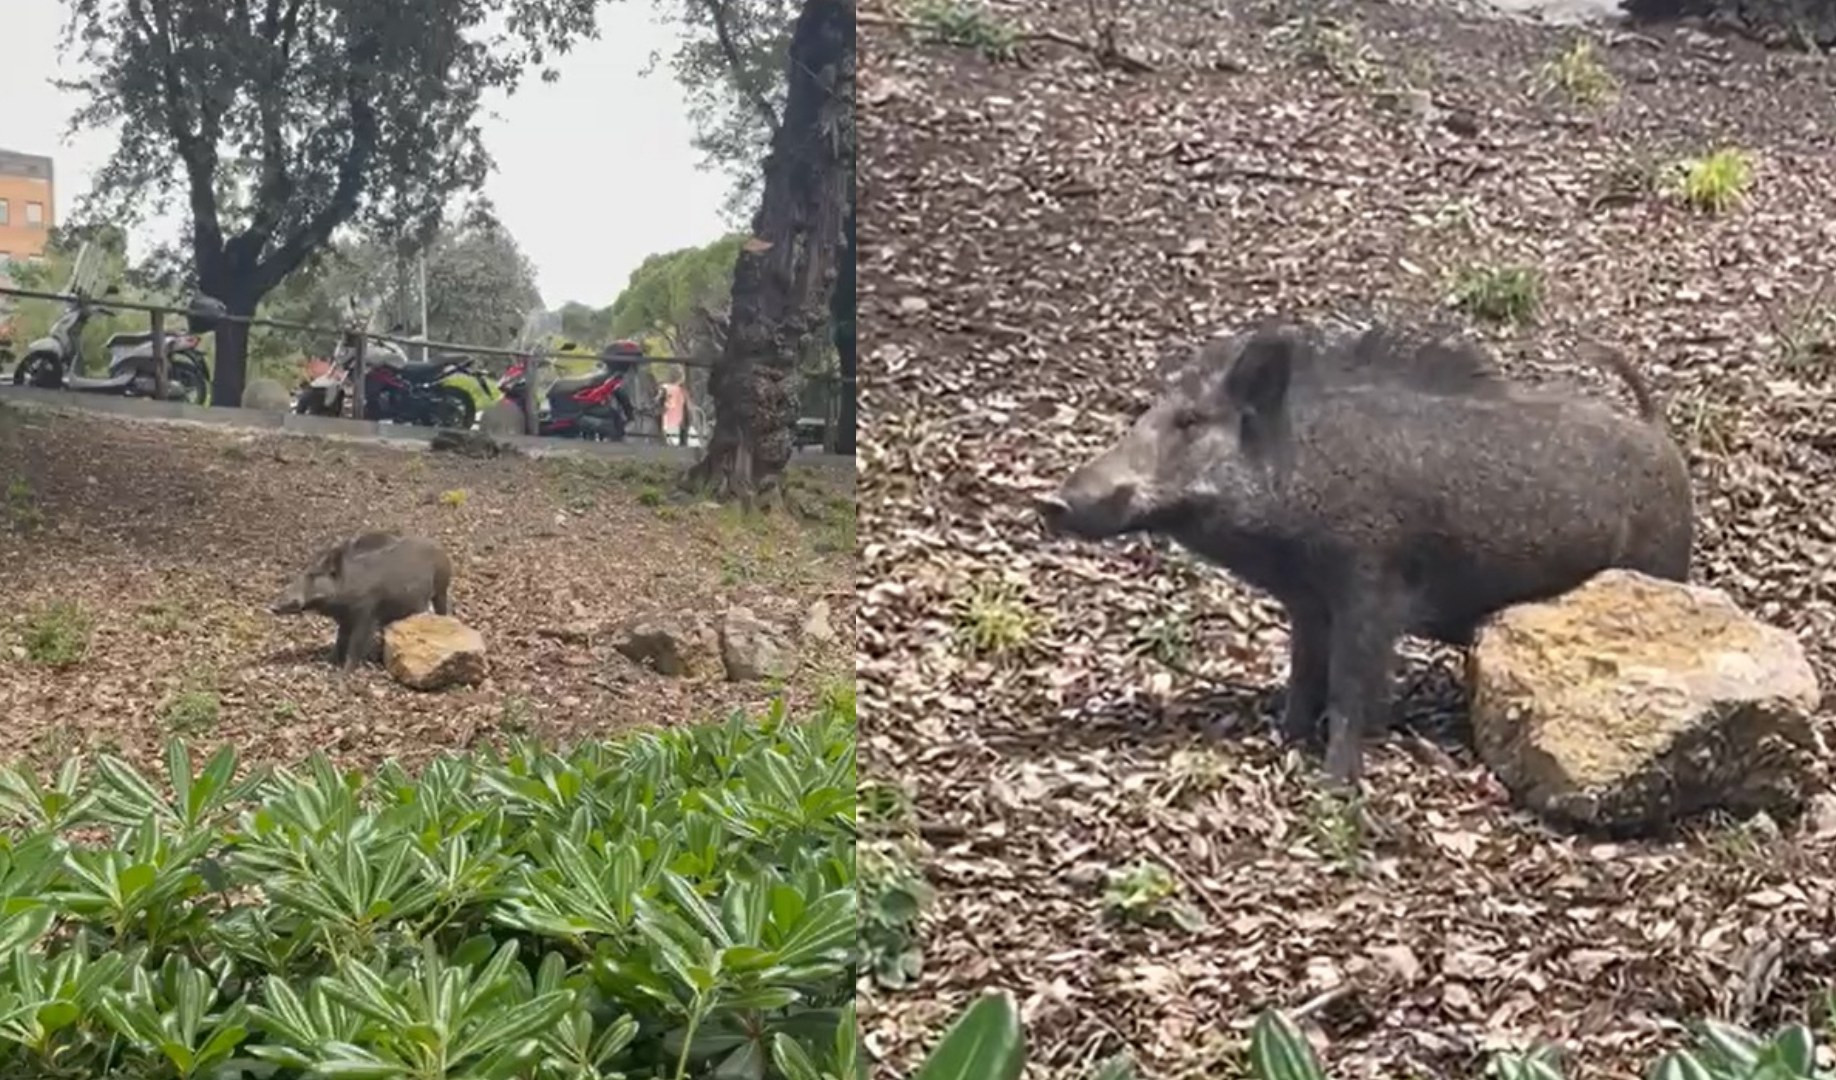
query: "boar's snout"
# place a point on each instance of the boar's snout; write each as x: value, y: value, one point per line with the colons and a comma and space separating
x: 1086, y: 510
x: 292, y: 601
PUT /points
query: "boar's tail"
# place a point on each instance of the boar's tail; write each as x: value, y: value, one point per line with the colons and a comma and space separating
x: 1616, y: 362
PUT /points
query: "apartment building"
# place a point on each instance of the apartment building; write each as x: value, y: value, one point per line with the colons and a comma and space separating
x: 26, y: 204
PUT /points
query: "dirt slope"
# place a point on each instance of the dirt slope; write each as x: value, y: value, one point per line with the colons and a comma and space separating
x: 173, y: 540
x: 1036, y: 237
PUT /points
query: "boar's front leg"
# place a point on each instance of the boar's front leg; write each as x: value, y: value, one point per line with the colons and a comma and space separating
x: 1365, y: 625
x: 1309, y: 650
x: 362, y: 639
x: 343, y: 642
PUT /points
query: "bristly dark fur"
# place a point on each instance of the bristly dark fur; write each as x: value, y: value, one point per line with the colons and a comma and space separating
x: 1386, y: 482
x: 1428, y: 361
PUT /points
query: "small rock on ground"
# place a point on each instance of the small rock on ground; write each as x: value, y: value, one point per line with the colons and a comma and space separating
x: 1631, y: 701
x: 432, y: 652
x: 751, y: 648
x: 660, y: 644
x: 267, y: 395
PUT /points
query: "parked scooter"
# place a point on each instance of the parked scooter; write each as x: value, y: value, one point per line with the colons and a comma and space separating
x: 593, y: 406
x: 51, y: 361
x: 395, y: 388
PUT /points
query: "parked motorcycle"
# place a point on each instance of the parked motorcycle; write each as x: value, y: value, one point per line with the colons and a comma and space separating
x: 396, y: 388
x: 592, y: 406
x: 51, y: 361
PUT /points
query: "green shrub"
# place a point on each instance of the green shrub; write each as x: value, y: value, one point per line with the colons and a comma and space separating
x: 671, y: 904
x: 986, y: 1041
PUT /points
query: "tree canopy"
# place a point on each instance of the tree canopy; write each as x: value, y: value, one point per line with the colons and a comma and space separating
x: 278, y: 121
x: 679, y: 298
x: 730, y: 63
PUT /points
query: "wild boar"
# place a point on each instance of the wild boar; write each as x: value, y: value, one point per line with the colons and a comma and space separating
x: 367, y: 582
x: 1382, y: 484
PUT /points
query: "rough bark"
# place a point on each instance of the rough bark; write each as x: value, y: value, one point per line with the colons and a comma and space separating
x: 841, y: 307
x: 1796, y: 23
x: 783, y: 275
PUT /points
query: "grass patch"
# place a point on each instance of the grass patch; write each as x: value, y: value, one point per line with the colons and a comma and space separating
x: 1706, y: 427
x: 650, y: 495
x: 1716, y: 183
x: 1148, y: 894
x: 58, y: 635
x: 993, y: 621
x: 1806, y: 335
x: 1578, y: 75
x: 967, y: 24
x: 1326, y: 44
x: 1498, y: 294
x: 1334, y: 824
x: 454, y: 498
x: 22, y: 511
x: 191, y: 711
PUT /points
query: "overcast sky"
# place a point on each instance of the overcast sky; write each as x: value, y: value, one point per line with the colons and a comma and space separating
x: 594, y: 172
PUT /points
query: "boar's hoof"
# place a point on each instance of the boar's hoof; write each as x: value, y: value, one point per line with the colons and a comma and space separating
x: 1632, y: 701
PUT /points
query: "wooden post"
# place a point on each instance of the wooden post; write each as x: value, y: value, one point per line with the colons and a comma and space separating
x: 162, y: 369
x: 359, y: 375
x: 532, y: 418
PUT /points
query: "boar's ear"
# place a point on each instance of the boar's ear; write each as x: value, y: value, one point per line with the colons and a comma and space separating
x: 1258, y: 384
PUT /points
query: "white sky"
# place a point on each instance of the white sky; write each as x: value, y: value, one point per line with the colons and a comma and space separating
x: 594, y: 172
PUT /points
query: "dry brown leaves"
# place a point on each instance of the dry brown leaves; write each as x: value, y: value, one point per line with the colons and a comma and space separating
x: 1036, y: 237
x: 175, y: 539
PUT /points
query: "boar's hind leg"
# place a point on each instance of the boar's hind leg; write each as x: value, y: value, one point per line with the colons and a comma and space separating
x: 1309, y: 649
x: 1365, y: 626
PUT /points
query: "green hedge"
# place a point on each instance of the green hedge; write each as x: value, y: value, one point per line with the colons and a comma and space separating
x: 670, y: 904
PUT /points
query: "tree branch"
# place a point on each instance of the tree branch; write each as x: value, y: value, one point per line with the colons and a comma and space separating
x: 271, y: 271
x: 198, y: 152
x: 276, y: 186
x: 718, y: 10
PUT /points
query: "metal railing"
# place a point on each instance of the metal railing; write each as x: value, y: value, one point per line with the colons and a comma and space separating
x: 358, y: 337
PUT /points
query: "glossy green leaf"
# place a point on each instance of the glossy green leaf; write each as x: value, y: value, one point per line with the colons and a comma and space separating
x: 984, y: 1043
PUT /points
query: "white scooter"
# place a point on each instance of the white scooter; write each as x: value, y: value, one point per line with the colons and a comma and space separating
x: 50, y: 361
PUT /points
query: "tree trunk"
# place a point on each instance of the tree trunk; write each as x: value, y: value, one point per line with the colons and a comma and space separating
x: 782, y: 276
x: 229, y: 373
x: 841, y: 315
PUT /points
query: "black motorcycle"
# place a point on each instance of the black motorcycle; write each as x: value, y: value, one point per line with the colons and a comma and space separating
x: 397, y: 389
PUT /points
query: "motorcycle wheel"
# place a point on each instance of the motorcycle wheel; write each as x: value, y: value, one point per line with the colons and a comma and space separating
x: 38, y: 369
x: 451, y: 407
x: 196, y: 389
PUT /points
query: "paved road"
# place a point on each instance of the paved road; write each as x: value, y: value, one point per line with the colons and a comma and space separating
x: 146, y: 410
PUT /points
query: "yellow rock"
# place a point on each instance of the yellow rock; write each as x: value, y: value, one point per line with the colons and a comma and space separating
x: 432, y: 652
x: 1631, y: 701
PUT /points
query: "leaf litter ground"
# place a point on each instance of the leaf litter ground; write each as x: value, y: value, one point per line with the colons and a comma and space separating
x: 1037, y: 238
x: 170, y: 541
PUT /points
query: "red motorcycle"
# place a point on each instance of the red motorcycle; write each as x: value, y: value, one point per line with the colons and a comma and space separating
x: 593, y: 406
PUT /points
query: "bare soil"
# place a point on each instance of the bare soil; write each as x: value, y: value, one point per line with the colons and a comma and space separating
x: 1037, y: 237
x: 170, y: 541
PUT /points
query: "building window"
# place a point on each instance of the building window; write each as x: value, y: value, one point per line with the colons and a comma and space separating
x: 6, y: 213
x: 35, y: 213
